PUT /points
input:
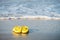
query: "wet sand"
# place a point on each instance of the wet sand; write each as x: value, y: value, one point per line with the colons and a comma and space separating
x: 38, y: 30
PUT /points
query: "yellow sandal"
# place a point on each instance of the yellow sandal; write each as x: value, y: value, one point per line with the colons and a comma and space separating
x: 21, y: 29
x: 17, y: 29
x: 25, y: 29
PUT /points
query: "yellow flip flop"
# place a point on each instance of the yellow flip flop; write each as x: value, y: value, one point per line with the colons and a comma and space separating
x: 25, y: 29
x: 17, y: 29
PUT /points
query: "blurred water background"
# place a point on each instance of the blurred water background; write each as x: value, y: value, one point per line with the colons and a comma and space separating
x: 50, y: 8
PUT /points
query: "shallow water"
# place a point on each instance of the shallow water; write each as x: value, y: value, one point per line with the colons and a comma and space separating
x: 38, y: 30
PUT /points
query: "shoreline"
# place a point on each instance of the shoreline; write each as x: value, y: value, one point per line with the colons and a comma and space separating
x: 30, y: 18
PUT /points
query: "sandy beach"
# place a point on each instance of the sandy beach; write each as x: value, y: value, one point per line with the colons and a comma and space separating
x: 38, y: 30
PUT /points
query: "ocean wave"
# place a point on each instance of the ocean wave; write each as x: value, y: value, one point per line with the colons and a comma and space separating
x: 30, y: 18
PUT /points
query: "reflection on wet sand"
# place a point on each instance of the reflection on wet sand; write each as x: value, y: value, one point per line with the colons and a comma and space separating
x: 15, y: 35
